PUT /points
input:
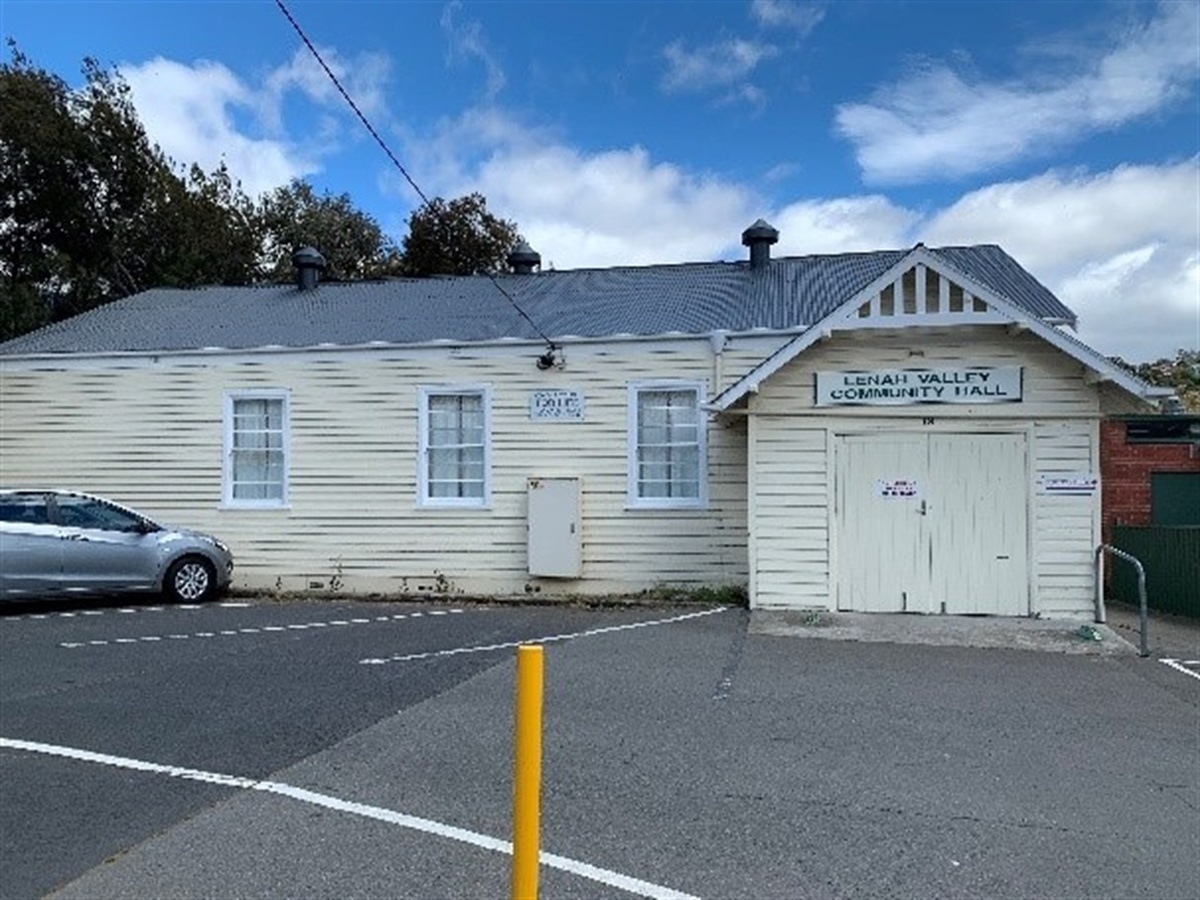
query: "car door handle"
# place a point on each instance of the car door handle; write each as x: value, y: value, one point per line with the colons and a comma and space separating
x: 77, y: 537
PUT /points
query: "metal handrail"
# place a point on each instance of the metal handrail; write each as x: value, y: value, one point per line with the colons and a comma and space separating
x: 1141, y: 573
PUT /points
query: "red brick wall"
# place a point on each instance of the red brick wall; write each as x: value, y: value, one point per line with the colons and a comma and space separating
x: 1125, y: 474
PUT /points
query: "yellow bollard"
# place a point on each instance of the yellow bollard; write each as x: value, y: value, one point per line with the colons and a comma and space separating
x: 527, y: 773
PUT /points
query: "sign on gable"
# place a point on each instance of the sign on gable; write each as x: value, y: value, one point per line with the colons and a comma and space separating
x: 902, y: 387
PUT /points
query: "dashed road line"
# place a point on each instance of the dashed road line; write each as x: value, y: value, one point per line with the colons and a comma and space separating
x: 1181, y: 665
x: 426, y: 826
x: 274, y: 629
x: 549, y: 639
x: 125, y: 611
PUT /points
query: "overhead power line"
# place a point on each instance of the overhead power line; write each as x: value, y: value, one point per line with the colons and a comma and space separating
x: 396, y: 162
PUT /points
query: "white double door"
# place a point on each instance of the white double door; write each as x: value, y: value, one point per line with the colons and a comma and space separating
x: 933, y: 523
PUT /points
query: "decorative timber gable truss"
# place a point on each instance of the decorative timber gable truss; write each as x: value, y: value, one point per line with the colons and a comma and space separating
x: 923, y: 291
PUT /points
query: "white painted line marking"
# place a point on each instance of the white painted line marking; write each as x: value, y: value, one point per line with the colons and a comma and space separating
x: 379, y: 814
x: 1180, y: 665
x: 73, y: 645
x: 487, y: 648
x: 124, y: 611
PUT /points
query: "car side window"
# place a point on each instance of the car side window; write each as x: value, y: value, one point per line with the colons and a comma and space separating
x: 83, y: 512
x: 27, y: 509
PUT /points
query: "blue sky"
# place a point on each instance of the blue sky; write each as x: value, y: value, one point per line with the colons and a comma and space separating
x: 642, y: 132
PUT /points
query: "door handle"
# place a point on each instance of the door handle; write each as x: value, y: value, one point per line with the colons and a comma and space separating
x: 924, y: 510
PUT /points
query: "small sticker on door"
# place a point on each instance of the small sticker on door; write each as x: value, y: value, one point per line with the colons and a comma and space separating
x: 897, y: 488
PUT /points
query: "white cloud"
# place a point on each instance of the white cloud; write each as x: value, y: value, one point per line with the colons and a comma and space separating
x: 188, y: 112
x: 204, y: 113
x: 467, y: 41
x: 719, y: 65
x: 841, y: 225
x: 1121, y: 248
x: 799, y: 17
x: 612, y: 208
x: 937, y: 122
x: 364, y: 79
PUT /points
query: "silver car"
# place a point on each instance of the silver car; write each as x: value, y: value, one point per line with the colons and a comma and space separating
x: 61, y: 542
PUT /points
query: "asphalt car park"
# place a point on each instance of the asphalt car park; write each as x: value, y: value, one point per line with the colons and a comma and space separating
x: 335, y: 749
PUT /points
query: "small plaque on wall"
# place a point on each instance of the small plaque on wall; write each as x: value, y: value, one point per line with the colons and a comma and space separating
x: 560, y: 405
x: 898, y: 488
x: 1068, y: 484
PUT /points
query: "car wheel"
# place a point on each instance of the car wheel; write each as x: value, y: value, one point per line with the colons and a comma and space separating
x: 190, y: 580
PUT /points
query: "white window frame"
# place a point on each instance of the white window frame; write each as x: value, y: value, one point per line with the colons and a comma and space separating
x: 227, y: 498
x: 633, y: 499
x: 425, y: 392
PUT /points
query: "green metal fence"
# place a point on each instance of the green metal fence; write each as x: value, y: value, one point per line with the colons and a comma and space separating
x: 1171, y: 557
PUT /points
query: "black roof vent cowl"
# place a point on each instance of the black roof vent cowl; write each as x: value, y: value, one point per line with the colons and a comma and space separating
x: 523, y: 259
x: 309, y: 264
x: 759, y: 237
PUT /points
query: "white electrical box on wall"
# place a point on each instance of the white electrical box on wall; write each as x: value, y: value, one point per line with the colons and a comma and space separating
x: 554, y: 528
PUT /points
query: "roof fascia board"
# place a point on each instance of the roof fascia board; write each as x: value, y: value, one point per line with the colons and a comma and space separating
x: 502, y: 345
x: 920, y: 255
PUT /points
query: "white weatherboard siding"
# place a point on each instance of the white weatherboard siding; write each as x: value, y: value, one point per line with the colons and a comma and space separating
x: 796, y: 550
x: 1066, y: 529
x: 148, y: 432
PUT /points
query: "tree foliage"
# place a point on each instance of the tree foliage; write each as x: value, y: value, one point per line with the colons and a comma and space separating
x: 91, y: 210
x: 75, y: 172
x: 1181, y: 372
x: 458, y: 237
x: 351, y: 241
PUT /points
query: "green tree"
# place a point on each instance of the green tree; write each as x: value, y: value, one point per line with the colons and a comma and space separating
x: 1181, y: 372
x: 91, y: 210
x: 352, y: 242
x: 459, y: 237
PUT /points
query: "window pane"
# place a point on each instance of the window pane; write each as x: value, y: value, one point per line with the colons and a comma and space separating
x: 668, y: 444
x: 456, y: 446
x: 258, y: 463
x: 29, y: 509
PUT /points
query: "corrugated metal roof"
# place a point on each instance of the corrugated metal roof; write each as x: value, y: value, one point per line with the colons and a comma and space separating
x: 690, y: 298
